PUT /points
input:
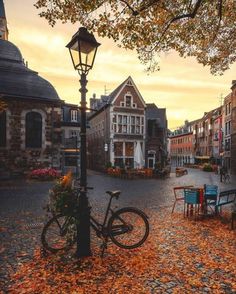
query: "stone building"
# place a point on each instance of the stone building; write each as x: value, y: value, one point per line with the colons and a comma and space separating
x: 3, y: 22
x: 28, y: 132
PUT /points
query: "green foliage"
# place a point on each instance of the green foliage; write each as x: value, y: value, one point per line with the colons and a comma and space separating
x: 207, y: 167
x: 62, y: 199
x: 109, y: 165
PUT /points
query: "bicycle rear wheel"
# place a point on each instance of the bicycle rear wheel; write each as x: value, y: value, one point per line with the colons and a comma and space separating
x: 59, y: 233
x: 128, y: 228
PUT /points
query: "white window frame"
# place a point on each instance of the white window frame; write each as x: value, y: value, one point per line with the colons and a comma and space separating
x: 74, y: 115
x: 121, y: 125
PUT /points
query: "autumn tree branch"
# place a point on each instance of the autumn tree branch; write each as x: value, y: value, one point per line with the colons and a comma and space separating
x: 136, y: 12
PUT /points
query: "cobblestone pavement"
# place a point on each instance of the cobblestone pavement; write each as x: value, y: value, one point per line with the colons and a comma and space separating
x: 22, y: 215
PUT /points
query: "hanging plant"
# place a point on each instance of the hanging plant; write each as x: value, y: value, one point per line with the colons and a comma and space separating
x: 63, y: 197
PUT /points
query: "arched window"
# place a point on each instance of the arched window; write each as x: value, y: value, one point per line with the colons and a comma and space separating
x: 3, y: 129
x: 33, y: 130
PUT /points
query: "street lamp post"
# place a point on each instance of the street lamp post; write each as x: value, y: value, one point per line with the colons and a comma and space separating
x: 83, y: 47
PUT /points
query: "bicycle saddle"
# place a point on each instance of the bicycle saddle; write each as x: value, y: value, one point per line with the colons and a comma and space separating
x: 114, y: 193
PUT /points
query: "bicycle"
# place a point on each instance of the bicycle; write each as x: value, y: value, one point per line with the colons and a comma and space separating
x: 226, y: 178
x: 127, y: 228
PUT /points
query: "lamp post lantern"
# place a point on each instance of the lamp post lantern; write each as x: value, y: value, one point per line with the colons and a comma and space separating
x: 83, y: 47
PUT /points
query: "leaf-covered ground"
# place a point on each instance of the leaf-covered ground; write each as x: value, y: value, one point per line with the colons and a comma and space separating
x: 180, y: 256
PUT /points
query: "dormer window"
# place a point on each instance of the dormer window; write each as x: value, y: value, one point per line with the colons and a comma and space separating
x: 74, y: 116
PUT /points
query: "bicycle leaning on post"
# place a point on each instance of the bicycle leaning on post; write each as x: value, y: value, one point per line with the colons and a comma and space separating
x: 226, y: 178
x: 127, y: 228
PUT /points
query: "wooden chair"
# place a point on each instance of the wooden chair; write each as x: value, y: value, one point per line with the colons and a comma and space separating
x: 179, y: 194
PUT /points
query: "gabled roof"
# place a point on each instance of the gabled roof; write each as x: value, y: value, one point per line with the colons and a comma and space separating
x: 116, y: 92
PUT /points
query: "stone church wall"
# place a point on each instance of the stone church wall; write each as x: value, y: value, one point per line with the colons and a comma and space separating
x: 15, y: 156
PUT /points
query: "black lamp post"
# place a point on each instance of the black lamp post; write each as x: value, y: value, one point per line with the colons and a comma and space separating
x: 83, y: 47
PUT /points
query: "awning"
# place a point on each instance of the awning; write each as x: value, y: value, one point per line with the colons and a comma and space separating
x: 202, y: 157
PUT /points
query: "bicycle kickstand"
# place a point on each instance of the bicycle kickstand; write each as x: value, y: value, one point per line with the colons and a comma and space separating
x: 103, y: 247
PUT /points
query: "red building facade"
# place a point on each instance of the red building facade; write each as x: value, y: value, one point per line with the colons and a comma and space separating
x: 181, y: 149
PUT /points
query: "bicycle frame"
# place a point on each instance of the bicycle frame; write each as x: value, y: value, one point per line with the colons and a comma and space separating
x: 100, y: 228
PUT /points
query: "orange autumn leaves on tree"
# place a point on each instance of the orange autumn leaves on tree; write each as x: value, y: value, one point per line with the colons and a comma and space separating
x: 204, y: 29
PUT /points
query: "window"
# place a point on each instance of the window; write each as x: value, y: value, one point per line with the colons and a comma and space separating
x: 3, y: 129
x: 33, y: 130
x: 74, y: 115
x: 74, y: 133
x: 227, y: 145
x: 128, y: 101
x: 118, y: 148
x: 124, y: 154
x: 127, y: 124
x: 129, y: 149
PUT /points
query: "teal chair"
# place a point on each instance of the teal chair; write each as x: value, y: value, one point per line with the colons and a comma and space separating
x: 210, y: 197
x: 191, y: 202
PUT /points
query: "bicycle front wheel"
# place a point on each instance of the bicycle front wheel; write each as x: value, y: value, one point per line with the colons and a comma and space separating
x: 128, y: 228
x: 59, y: 233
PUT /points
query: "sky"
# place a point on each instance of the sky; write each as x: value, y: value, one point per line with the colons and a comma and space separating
x: 185, y: 88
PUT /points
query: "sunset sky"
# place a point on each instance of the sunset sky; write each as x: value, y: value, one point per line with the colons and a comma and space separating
x: 182, y: 86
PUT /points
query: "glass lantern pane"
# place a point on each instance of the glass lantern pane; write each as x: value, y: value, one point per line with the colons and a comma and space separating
x: 87, y: 53
x: 74, y: 51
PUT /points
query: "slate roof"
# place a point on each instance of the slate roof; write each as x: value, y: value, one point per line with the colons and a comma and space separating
x: 16, y: 80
